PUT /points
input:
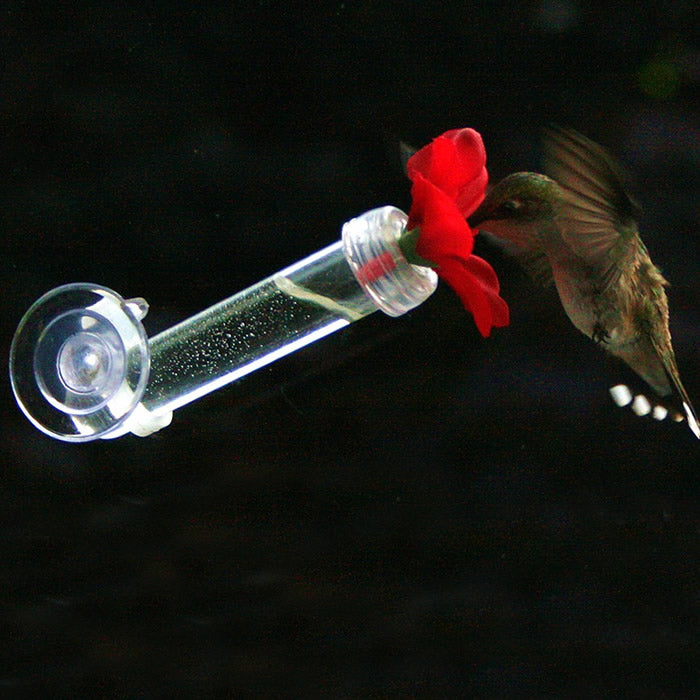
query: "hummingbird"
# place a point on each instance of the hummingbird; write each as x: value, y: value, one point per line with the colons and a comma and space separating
x: 576, y: 227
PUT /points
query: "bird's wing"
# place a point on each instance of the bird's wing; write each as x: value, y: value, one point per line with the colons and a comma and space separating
x: 598, y: 217
x: 405, y: 153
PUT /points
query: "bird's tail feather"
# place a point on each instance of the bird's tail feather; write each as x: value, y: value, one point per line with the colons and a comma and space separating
x: 690, y: 414
x: 628, y: 389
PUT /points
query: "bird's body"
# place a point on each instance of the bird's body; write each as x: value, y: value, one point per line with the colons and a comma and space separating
x: 576, y: 226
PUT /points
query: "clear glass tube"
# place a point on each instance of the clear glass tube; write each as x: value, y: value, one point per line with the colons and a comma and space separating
x: 278, y: 315
x: 81, y: 366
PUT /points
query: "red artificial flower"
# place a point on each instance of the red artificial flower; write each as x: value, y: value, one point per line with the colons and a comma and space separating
x: 449, y: 182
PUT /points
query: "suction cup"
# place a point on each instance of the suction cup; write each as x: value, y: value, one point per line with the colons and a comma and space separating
x: 79, y: 361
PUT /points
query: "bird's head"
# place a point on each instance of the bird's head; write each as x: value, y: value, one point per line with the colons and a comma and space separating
x: 520, y: 198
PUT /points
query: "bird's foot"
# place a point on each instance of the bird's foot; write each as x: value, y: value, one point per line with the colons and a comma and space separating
x: 600, y: 335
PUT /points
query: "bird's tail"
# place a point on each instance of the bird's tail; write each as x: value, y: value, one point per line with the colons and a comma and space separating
x: 669, y: 398
x: 690, y: 414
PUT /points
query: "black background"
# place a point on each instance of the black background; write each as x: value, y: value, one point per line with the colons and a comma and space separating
x: 405, y: 508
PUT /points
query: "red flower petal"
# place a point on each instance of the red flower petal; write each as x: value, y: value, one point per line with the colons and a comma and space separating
x: 436, y: 162
x: 455, y: 163
x: 486, y: 275
x: 477, y: 286
x: 473, y: 297
x: 444, y: 168
x: 471, y: 153
x: 443, y: 229
x: 449, y: 182
x: 472, y: 194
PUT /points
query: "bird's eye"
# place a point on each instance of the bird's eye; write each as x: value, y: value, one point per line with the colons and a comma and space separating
x: 510, y: 206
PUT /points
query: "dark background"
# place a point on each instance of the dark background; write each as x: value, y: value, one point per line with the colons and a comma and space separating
x: 405, y: 508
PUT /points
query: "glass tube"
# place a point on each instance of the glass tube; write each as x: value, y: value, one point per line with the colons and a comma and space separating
x: 269, y: 320
x: 82, y: 368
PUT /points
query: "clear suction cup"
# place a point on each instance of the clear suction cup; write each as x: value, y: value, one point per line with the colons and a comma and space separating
x: 79, y: 361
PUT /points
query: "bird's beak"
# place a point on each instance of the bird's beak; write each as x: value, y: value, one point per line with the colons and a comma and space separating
x: 478, y: 217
